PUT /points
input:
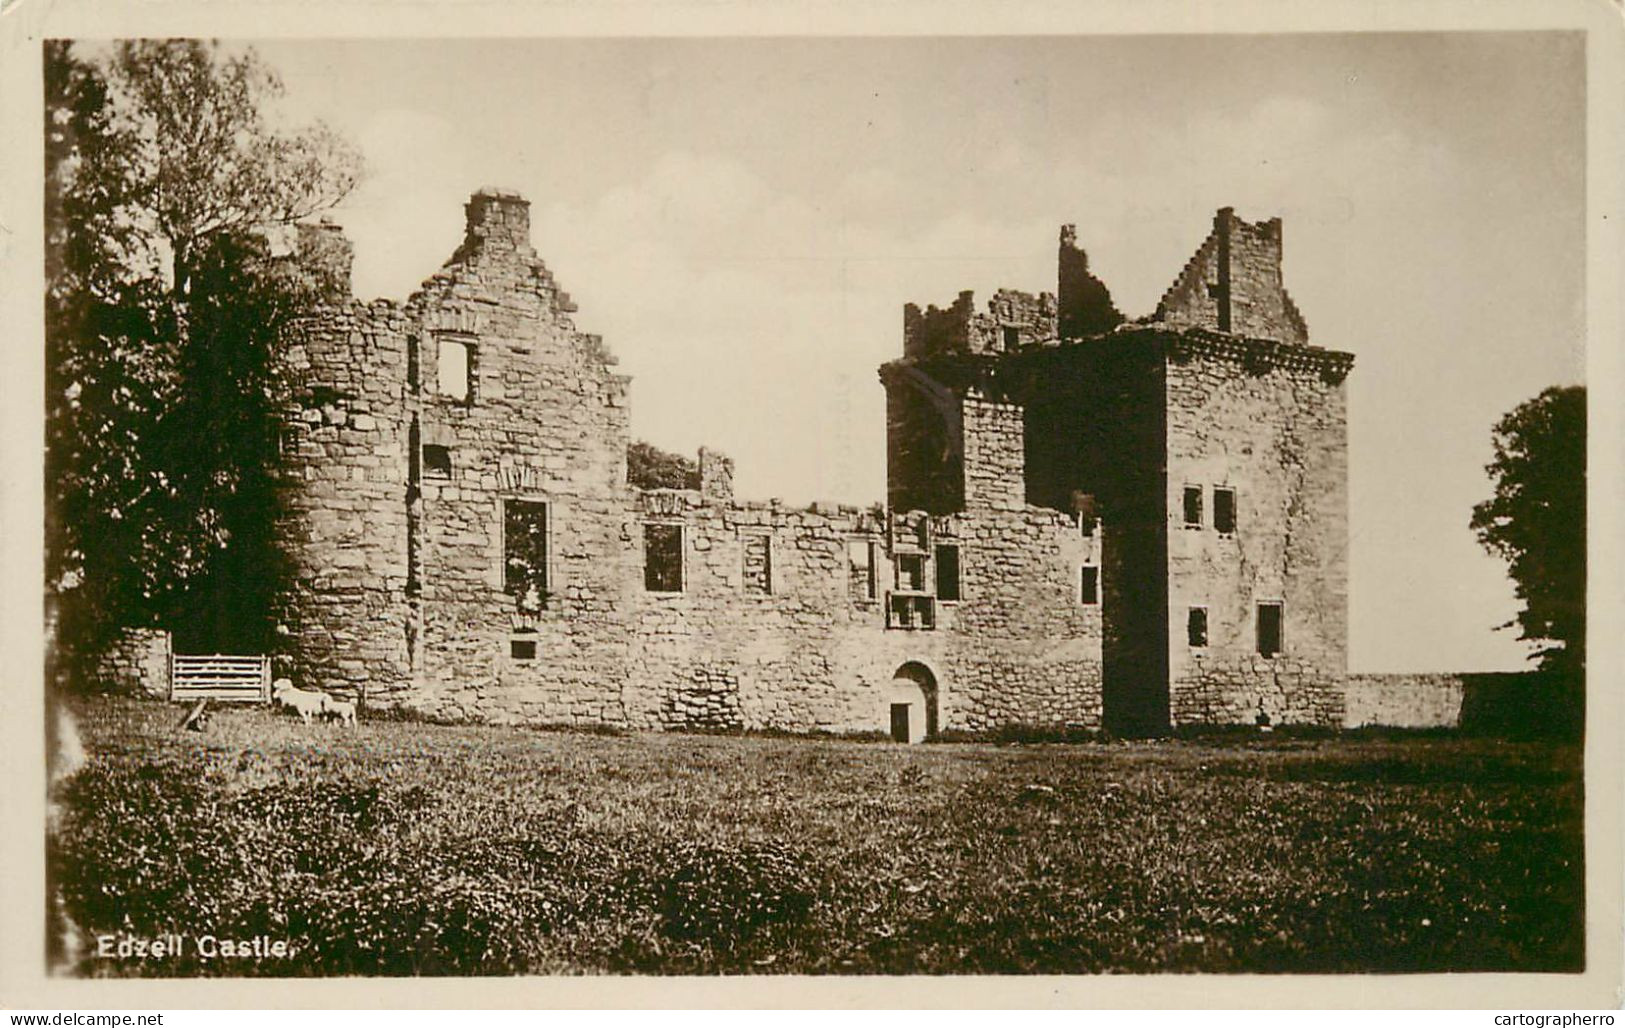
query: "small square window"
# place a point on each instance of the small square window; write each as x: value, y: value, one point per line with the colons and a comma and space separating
x: 522, y: 649
x: 454, y: 369
x: 287, y: 440
x: 436, y: 461
x: 1224, y: 510
x: 911, y: 572
x: 1193, y: 506
x: 1269, y: 629
x: 663, y: 558
x: 947, y: 572
x: 1089, y: 585
x: 1196, y: 626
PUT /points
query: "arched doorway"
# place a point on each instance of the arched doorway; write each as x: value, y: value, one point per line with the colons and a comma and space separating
x: 912, y: 703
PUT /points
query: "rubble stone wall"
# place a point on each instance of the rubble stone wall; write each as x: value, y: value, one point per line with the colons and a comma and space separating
x: 344, y: 479
x: 546, y: 421
x: 1404, y: 701
x: 137, y: 661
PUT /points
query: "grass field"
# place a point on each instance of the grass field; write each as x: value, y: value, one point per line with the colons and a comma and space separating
x: 408, y: 848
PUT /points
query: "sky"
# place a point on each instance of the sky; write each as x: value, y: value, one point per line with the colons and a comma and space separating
x: 743, y: 220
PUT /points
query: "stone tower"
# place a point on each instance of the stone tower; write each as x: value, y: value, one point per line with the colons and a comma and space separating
x: 1207, y: 441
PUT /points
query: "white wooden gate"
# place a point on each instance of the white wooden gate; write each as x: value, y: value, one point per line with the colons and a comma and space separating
x: 219, y: 677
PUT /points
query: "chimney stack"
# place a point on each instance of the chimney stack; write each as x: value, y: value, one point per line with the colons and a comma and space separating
x: 498, y: 219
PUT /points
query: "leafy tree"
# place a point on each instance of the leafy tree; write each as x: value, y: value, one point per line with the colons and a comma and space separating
x: 1536, y: 520
x: 205, y: 160
x: 165, y: 181
x: 650, y: 467
x: 109, y: 367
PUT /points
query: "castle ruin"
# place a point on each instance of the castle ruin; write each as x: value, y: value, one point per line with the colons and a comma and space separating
x: 1090, y: 521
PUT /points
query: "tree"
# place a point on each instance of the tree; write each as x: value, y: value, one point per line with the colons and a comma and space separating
x: 163, y: 175
x: 650, y: 467
x: 1536, y: 520
x: 205, y: 161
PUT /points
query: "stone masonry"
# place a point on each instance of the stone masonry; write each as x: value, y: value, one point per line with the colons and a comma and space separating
x: 455, y: 498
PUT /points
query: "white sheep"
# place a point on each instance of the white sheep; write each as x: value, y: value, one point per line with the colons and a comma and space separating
x: 342, y: 711
x: 305, y: 703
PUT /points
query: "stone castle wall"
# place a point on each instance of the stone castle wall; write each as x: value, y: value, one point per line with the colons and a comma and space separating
x: 137, y: 661
x: 1274, y: 435
x: 418, y: 433
x: 344, y: 519
x: 1023, y: 648
x: 400, y: 475
x: 1404, y: 701
x: 543, y: 420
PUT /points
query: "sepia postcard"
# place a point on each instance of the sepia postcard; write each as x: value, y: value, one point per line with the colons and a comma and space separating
x: 1040, y: 506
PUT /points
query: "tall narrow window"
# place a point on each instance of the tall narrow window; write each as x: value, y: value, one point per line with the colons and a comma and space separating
x: 663, y: 558
x: 911, y: 572
x: 1193, y: 506
x: 524, y: 553
x: 1224, y: 510
x: 1012, y: 337
x: 1196, y: 626
x: 1269, y: 629
x: 947, y: 572
x: 758, y: 570
x: 412, y: 371
x: 1089, y: 585
x: 860, y: 568
x: 453, y: 369
x: 414, y: 453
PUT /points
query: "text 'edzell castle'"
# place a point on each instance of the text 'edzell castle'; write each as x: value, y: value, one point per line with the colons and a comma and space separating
x: 1090, y: 521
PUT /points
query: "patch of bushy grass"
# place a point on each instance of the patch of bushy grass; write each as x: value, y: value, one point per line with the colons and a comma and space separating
x: 410, y: 848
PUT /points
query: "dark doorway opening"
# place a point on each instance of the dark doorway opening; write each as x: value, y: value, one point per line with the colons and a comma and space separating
x: 899, y: 722
x: 914, y: 689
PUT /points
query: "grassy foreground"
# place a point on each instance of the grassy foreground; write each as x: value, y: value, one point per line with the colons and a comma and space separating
x: 406, y: 848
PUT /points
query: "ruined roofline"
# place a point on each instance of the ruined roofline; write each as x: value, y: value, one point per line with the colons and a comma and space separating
x: 1083, y: 308
x: 712, y: 486
x: 1256, y: 352
x: 1256, y: 241
x: 648, y: 500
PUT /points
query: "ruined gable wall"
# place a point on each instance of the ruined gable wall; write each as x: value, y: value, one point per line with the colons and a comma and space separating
x: 1277, y: 433
x: 1233, y: 284
x: 1192, y: 300
x: 1259, y: 304
x: 1084, y: 303
x: 548, y: 422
